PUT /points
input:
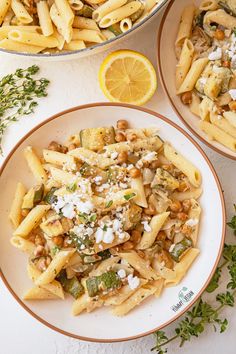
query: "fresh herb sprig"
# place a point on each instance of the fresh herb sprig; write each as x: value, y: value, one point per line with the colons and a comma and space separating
x: 18, y: 94
x: 204, y: 313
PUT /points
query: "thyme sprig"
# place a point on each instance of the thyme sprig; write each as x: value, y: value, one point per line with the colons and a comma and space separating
x: 18, y: 93
x: 204, y: 313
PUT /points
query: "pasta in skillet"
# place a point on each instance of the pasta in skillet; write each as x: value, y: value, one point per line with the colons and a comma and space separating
x: 206, y: 69
x: 112, y: 219
x: 51, y: 26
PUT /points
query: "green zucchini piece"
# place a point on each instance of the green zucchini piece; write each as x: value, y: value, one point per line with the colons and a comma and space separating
x: 132, y: 217
x: 180, y: 248
x: 33, y: 197
x: 71, y: 286
x: 86, y: 11
x: 134, y: 17
x: 105, y: 282
x: 115, y: 29
x: 96, y: 138
x: 50, y: 198
x: 93, y: 171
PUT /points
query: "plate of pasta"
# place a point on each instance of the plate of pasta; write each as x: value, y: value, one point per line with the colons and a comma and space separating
x: 197, y: 68
x: 63, y: 28
x: 109, y: 220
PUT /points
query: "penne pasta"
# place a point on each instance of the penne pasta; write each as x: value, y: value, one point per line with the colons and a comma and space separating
x: 183, y: 165
x: 15, y: 212
x: 35, y: 165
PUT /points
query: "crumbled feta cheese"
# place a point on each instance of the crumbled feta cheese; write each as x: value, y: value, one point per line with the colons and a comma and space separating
x: 150, y: 156
x: 130, y: 166
x: 68, y: 211
x: 108, y: 236
x: 116, y: 225
x: 99, y: 235
x: 202, y: 81
x: 232, y: 93
x: 191, y: 222
x: 147, y: 227
x: 133, y: 281
x: 97, y: 179
x: 114, y: 155
x: 123, y: 185
x: 121, y: 273
x: 215, y: 55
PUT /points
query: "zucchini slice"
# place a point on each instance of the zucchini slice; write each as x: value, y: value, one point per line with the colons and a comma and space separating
x: 96, y: 138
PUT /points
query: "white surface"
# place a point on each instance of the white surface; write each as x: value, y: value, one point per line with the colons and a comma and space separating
x: 75, y: 83
x: 97, y: 324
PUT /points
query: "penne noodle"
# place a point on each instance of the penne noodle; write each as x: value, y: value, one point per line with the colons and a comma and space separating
x: 15, y: 212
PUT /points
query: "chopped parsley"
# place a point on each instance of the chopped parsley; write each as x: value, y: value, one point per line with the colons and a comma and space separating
x: 72, y: 187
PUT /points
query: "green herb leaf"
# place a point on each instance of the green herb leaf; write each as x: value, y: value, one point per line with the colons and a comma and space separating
x: 109, y: 204
x: 214, y: 283
x: 72, y: 187
x: 226, y: 299
x: 129, y: 196
x: 18, y: 94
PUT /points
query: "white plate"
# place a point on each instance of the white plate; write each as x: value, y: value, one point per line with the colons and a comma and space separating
x: 100, y: 325
x: 167, y: 62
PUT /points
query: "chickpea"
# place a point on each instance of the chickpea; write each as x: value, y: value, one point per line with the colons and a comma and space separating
x: 150, y: 210
x: 128, y: 246
x: 135, y: 236
x: 24, y: 212
x: 58, y: 240
x: 39, y: 240
x: 120, y: 137
x: 173, y: 215
x: 161, y: 236
x: 131, y: 137
x: 122, y: 157
x: 39, y: 251
x: 182, y: 216
x: 71, y: 147
x: 134, y: 172
x: 219, y: 34
x: 232, y: 105
x: 186, y: 97
x: 155, y: 164
x: 183, y: 187
x: 226, y: 64
x: 186, y: 230
x: 122, y: 124
x: 175, y: 206
x: 66, y: 242
x: 186, y: 205
x: 141, y: 253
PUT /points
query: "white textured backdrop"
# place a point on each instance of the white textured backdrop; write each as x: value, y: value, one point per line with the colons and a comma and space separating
x: 74, y: 83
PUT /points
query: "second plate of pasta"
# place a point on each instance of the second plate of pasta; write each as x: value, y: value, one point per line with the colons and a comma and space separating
x: 109, y: 221
x: 197, y: 69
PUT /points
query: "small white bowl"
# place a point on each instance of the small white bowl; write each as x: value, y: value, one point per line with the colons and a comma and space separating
x: 97, y: 48
x: 167, y: 63
x: 153, y: 314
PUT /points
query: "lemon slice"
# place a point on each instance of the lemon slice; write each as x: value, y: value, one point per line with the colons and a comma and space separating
x: 127, y: 76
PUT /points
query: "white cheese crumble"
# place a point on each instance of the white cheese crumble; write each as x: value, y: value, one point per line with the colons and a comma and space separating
x: 191, y: 222
x: 133, y: 281
x: 108, y: 236
x: 114, y: 155
x: 216, y: 55
x: 232, y: 93
x: 146, y: 226
x: 71, y: 203
x: 121, y: 273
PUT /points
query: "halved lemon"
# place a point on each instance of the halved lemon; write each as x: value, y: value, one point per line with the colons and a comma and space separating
x: 127, y: 76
